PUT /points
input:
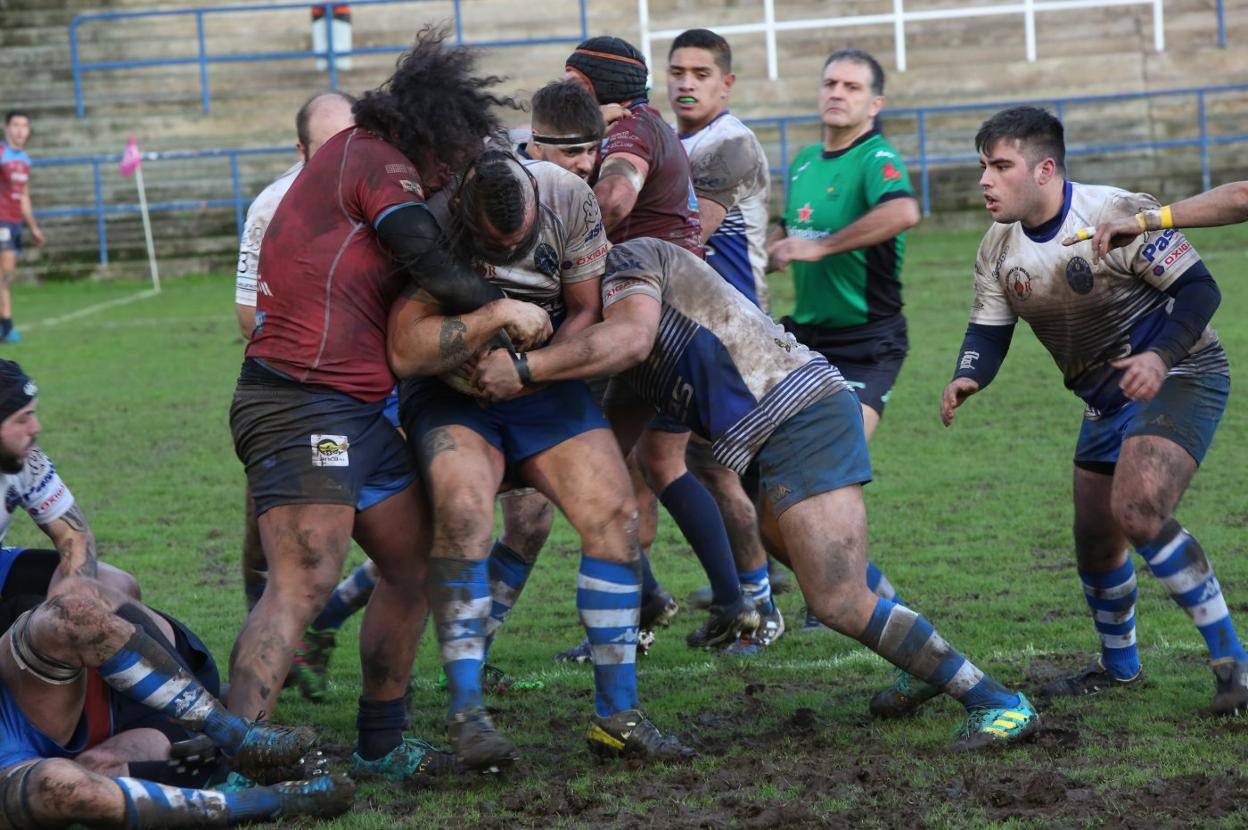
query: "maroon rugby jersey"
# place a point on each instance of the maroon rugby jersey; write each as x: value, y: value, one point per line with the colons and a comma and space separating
x: 14, y: 174
x: 666, y: 207
x: 325, y: 284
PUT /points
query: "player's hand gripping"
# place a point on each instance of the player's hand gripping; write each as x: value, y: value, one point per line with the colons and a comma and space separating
x: 956, y: 393
x: 527, y: 325
x: 496, y: 376
x: 1142, y: 375
x: 1107, y: 236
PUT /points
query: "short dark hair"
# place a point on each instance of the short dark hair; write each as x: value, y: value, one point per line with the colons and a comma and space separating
x: 863, y: 58
x: 567, y: 108
x: 11, y: 114
x: 1039, y: 133
x: 708, y: 40
x: 305, y: 112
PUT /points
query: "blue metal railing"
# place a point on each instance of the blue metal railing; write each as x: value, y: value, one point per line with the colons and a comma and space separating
x: 922, y: 115
x: 331, y: 55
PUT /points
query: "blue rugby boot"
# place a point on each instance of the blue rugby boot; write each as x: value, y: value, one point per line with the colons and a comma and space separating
x: 411, y: 760
x: 986, y: 726
x: 321, y: 796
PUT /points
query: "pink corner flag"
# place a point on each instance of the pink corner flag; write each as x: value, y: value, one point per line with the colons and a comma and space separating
x: 130, y: 159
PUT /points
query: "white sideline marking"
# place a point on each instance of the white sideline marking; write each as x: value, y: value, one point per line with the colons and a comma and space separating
x: 91, y: 309
x: 137, y: 322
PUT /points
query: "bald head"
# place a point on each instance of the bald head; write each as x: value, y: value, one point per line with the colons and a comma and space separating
x: 320, y: 118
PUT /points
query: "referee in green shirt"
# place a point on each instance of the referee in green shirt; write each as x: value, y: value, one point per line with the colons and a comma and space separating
x: 850, y: 203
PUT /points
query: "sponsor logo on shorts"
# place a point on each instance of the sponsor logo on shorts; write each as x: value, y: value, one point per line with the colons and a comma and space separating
x: 776, y: 492
x: 5, y: 234
x: 1019, y: 283
x: 1079, y: 275
x: 330, y: 450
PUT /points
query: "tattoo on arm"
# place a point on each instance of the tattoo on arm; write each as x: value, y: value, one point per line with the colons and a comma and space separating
x: 77, y: 521
x: 451, y: 346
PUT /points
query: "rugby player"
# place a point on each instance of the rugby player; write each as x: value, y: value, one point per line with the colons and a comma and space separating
x: 1226, y: 204
x: 849, y: 205
x: 15, y: 207
x: 697, y: 349
x: 100, y: 698
x: 645, y: 189
x: 1129, y: 331
x: 732, y: 182
x: 536, y: 231
x: 566, y: 128
x: 323, y: 463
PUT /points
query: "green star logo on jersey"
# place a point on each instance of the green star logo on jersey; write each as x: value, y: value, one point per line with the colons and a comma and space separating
x: 804, y: 213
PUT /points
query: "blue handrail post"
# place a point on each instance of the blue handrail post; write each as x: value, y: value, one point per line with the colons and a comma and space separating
x: 1221, y: 24
x: 459, y: 23
x: 330, y: 60
x: 1205, y: 176
x: 73, y: 59
x: 100, y: 231
x: 203, y: 61
x: 925, y: 193
x: 236, y: 180
x: 585, y: 18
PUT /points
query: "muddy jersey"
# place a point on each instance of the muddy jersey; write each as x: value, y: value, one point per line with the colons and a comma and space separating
x: 37, y: 489
x: 571, y: 245
x: 14, y: 176
x: 730, y: 168
x: 719, y: 363
x: 1089, y: 313
x: 258, y: 217
x: 666, y: 206
x: 326, y: 284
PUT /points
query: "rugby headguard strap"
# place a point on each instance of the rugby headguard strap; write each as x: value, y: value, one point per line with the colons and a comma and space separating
x: 613, y: 67
x: 16, y: 389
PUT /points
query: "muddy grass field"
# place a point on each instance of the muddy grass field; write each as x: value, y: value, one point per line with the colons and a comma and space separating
x: 971, y: 524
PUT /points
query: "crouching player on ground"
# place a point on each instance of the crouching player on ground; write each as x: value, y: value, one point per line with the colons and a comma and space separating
x: 69, y: 744
x: 536, y: 230
x: 697, y: 350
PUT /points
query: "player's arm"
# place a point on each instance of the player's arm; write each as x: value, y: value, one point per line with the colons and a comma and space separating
x: 247, y: 273
x: 74, y: 541
x: 880, y: 224
x: 424, y: 340
x: 711, y: 214
x: 1224, y: 205
x: 619, y: 183
x: 983, y: 350
x: 583, y: 301
x: 621, y: 341
x: 775, y: 235
x: 28, y: 213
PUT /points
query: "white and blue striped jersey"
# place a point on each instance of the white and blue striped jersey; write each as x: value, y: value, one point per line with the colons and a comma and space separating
x: 719, y: 364
x: 1087, y: 314
x: 730, y: 168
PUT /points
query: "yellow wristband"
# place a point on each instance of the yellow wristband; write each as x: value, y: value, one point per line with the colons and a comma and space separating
x: 1167, y: 218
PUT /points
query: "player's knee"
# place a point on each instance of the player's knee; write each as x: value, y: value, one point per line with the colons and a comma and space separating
x: 1139, y: 516
x: 74, y: 614
x: 49, y: 792
x: 103, y: 761
x: 463, y: 521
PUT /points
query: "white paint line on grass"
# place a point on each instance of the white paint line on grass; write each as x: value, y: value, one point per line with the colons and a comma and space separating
x: 138, y: 322
x: 91, y: 309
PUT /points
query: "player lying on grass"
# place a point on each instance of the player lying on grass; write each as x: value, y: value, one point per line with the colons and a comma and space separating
x: 1130, y: 334
x: 696, y: 349
x: 95, y: 689
x: 535, y: 229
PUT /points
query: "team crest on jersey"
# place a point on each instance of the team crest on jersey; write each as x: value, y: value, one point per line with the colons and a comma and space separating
x: 546, y: 260
x: 412, y: 187
x: 330, y: 451
x: 1019, y: 283
x: 1079, y: 275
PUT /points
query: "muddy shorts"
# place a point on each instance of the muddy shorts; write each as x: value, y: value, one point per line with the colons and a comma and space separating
x: 308, y: 444
x: 869, y: 356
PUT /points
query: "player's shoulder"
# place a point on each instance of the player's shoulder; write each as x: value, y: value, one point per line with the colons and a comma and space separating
x: 277, y: 188
x: 1104, y: 202
x: 38, y: 465
x: 549, y: 173
x: 995, y: 241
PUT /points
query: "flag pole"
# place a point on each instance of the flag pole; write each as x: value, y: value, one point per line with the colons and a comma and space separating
x: 147, y: 228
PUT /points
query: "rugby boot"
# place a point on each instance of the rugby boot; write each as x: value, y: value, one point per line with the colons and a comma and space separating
x: 1231, y: 696
x: 1092, y: 679
x: 659, y: 610
x: 987, y: 726
x: 582, y: 652
x: 701, y: 598
x: 902, y: 698
x: 726, y: 624
x: 630, y: 734
x: 311, y: 665
x: 770, y: 629
x: 321, y: 796
x: 266, y: 746
x: 411, y: 760
x: 495, y: 681
x: 477, y: 743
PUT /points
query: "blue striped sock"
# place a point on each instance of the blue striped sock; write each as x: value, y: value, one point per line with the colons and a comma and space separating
x: 608, y: 598
x: 152, y: 805
x: 350, y: 596
x: 508, y: 574
x: 756, y: 585
x: 879, y: 584
x: 907, y: 640
x: 1112, y: 596
x: 1177, y: 559
x: 143, y: 671
x: 459, y: 593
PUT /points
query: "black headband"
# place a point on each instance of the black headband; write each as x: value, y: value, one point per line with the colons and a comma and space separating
x: 16, y: 389
x: 570, y: 139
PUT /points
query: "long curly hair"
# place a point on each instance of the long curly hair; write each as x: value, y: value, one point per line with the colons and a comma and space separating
x: 435, y: 109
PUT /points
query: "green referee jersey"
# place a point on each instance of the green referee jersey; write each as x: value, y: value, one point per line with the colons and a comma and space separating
x: 827, y: 191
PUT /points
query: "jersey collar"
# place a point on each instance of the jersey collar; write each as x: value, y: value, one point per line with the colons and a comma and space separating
x: 865, y: 137
x: 1046, y: 231
x: 704, y: 126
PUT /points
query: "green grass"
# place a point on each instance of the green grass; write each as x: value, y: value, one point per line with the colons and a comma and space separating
x: 972, y: 524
